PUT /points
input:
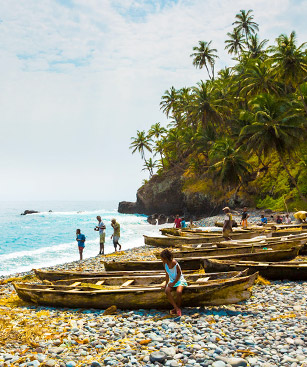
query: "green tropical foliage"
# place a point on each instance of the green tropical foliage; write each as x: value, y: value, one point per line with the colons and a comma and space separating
x: 241, y: 134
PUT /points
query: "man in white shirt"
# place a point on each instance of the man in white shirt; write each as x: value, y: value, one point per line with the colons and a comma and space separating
x: 102, y: 236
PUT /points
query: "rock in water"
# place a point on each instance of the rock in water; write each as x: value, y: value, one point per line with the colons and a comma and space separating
x: 29, y: 212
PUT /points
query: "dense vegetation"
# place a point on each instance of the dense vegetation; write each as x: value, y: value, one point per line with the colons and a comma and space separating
x: 240, y: 135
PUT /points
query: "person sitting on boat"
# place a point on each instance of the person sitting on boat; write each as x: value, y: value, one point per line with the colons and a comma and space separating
x: 287, y: 219
x: 244, y: 217
x: 80, y: 238
x: 174, y: 279
x: 227, y: 226
x: 183, y: 223
x: 177, y: 222
x: 279, y: 219
x: 191, y: 224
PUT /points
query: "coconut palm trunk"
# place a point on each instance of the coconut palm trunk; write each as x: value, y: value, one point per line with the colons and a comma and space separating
x: 282, y: 161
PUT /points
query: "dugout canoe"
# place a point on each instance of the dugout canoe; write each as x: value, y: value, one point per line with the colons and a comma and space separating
x: 194, y: 263
x: 269, y: 270
x: 157, y: 279
x: 216, y: 292
x: 58, y: 275
x: 234, y: 250
x: 175, y: 241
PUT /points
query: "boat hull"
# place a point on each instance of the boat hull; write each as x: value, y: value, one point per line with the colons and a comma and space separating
x: 214, y: 293
x: 194, y: 263
x: 272, y: 271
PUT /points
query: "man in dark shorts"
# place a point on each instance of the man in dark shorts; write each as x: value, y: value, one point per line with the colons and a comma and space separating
x: 244, y: 217
x: 116, y: 234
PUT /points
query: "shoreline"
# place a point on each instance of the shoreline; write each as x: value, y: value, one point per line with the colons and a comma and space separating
x: 267, y: 330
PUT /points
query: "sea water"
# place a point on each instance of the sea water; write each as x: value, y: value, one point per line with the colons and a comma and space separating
x: 48, y: 238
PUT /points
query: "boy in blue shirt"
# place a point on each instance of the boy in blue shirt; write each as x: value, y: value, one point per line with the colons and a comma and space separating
x: 80, y: 238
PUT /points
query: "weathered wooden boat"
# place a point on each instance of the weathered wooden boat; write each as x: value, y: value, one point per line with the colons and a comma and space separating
x: 57, y: 275
x: 175, y: 241
x: 155, y: 279
x: 242, y: 249
x: 269, y: 270
x: 215, y: 292
x: 194, y: 263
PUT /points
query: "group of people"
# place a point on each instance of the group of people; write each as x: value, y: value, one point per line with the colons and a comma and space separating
x: 181, y: 222
x: 101, y: 228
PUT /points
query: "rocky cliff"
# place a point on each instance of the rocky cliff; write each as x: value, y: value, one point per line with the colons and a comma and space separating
x: 165, y: 194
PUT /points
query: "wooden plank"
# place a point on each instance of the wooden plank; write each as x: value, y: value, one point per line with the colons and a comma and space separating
x: 75, y: 284
x: 100, y: 282
x: 202, y: 280
x: 127, y: 283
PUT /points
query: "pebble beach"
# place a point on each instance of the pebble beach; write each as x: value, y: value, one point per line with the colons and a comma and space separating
x: 267, y: 330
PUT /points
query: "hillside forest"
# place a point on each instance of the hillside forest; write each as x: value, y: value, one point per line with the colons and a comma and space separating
x: 239, y: 135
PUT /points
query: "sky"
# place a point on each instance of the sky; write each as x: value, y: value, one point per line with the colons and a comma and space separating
x: 78, y: 78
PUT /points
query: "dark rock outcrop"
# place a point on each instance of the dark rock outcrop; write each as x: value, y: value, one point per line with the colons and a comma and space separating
x: 165, y: 194
x: 29, y: 212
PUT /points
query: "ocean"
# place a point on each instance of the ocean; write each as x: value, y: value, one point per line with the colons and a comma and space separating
x: 48, y: 238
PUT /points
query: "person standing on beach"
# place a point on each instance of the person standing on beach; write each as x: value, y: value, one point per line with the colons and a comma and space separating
x: 80, y: 238
x: 102, y: 235
x: 116, y: 234
x: 177, y: 222
x: 244, y: 217
x: 227, y: 226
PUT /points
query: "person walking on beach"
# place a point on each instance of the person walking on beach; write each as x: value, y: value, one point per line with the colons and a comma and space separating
x: 227, y: 226
x: 183, y: 223
x: 244, y: 217
x: 174, y: 279
x: 116, y: 234
x: 80, y: 238
x: 102, y: 235
x: 177, y: 222
x: 287, y: 219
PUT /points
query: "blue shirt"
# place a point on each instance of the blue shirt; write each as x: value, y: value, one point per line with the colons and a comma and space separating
x: 183, y: 224
x: 81, y: 239
x: 264, y: 220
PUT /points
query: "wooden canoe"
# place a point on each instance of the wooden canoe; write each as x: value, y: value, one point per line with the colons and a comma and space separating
x: 175, y: 241
x: 218, y: 251
x: 133, y: 281
x: 194, y: 263
x: 58, y: 275
x: 269, y: 270
x: 216, y: 292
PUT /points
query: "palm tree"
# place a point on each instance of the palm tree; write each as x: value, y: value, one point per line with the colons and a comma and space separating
x: 149, y: 166
x: 169, y: 101
x: 290, y: 62
x: 156, y: 131
x: 140, y: 143
x: 229, y: 165
x: 256, y: 46
x: 235, y: 43
x: 277, y: 128
x: 245, y: 23
x: 204, y: 56
x: 258, y: 78
x: 204, y: 108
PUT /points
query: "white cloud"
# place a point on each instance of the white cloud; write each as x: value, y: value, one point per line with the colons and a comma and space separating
x: 79, y: 79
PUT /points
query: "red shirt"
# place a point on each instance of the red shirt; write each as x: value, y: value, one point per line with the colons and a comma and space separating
x: 177, y: 222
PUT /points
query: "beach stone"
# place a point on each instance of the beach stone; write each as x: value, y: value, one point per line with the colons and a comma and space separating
x: 34, y: 363
x: 157, y: 357
x: 237, y: 362
x: 50, y: 363
x: 172, y: 363
x: 170, y: 351
x: 219, y: 364
x: 56, y: 350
